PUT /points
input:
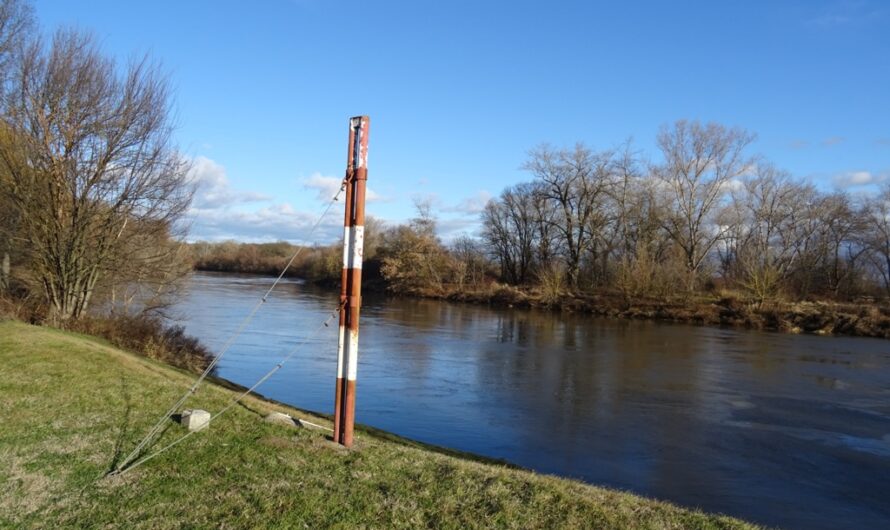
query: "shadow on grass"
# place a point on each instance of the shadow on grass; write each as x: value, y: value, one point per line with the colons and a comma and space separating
x: 124, y: 433
x: 123, y: 428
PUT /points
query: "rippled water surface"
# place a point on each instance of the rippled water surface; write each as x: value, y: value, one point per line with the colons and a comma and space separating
x: 785, y: 430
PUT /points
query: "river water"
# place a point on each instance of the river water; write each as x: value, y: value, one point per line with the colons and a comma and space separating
x: 785, y: 430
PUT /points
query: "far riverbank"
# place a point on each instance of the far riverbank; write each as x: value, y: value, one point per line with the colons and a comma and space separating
x: 867, y: 318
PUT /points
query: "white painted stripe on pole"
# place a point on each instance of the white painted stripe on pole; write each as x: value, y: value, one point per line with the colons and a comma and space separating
x: 353, y: 245
x: 352, y: 360
x: 340, y: 353
x: 347, y: 246
x: 362, y: 154
x: 361, y: 148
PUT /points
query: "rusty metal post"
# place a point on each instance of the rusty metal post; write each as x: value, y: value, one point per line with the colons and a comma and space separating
x: 351, y: 279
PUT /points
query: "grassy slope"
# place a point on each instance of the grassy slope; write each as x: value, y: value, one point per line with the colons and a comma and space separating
x: 69, y: 405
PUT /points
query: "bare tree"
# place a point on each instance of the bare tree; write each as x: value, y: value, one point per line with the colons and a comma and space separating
x: 700, y: 164
x: 877, y: 234
x: 806, y: 233
x: 509, y: 228
x: 766, y: 233
x: 89, y: 167
x: 547, y: 243
x: 470, y: 262
x: 578, y: 183
x: 374, y: 228
x: 642, y: 257
x: 412, y: 257
x: 16, y: 24
x: 842, y: 229
x: 145, y: 275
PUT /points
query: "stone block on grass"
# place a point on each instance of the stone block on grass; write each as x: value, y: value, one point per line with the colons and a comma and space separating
x: 195, y: 419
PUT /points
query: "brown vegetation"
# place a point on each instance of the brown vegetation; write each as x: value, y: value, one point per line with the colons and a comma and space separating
x: 708, y: 213
x: 319, y: 264
x: 519, y: 262
x: 821, y: 318
x: 149, y: 336
x: 92, y: 191
x: 711, y: 235
x: 90, y: 179
x: 607, y: 233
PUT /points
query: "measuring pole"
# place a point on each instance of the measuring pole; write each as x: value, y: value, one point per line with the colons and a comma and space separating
x: 351, y: 280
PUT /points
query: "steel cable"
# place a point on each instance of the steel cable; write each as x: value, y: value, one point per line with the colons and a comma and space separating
x: 121, y: 470
x: 159, y: 426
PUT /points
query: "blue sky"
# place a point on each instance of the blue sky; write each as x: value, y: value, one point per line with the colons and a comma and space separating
x: 459, y: 91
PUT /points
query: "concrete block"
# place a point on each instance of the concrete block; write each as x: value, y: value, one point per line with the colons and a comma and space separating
x: 282, y: 419
x: 195, y: 419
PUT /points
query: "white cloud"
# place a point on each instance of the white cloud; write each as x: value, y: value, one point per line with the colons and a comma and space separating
x: 858, y: 178
x: 461, y: 218
x: 430, y: 197
x: 271, y: 223
x: 327, y: 188
x: 734, y: 185
x: 450, y: 229
x: 834, y: 140
x: 212, y: 186
x: 220, y: 212
x: 471, y: 205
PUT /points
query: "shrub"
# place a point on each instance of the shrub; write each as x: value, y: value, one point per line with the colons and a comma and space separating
x: 148, y: 336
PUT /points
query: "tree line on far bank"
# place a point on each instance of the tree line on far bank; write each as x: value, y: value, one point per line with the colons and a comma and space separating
x: 93, y: 191
x: 708, y: 223
x: 708, y: 217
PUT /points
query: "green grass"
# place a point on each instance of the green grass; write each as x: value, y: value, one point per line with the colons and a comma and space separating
x: 70, y: 405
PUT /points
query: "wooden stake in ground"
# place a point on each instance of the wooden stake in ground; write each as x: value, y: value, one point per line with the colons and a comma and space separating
x: 350, y: 294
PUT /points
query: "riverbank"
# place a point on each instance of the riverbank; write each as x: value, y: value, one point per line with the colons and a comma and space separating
x: 817, y: 317
x: 867, y: 318
x: 77, y: 404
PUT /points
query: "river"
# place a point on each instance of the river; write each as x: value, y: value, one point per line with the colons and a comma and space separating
x: 785, y: 430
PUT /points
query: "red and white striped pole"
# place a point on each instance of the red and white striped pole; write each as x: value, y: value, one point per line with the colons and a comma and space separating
x: 350, y: 294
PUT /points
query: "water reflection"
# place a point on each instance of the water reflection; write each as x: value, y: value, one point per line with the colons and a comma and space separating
x: 781, y: 429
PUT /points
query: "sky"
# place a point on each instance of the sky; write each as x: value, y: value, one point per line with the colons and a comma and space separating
x: 459, y: 91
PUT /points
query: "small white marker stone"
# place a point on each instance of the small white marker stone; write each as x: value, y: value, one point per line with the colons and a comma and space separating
x: 196, y: 419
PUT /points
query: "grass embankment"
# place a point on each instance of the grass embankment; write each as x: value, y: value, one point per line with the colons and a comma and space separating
x: 73, y: 404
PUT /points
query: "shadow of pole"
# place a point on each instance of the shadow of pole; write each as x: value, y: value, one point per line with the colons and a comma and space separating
x: 124, y: 431
x: 123, y: 427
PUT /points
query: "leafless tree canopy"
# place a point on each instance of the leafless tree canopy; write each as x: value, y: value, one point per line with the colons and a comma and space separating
x: 876, y: 234
x: 700, y: 163
x: 578, y: 184
x: 89, y: 168
x: 706, y: 211
x: 16, y: 22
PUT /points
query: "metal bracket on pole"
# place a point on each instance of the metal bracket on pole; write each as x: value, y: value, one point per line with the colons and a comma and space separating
x: 351, y: 280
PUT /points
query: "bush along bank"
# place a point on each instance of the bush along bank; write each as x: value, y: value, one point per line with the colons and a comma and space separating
x: 812, y: 317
